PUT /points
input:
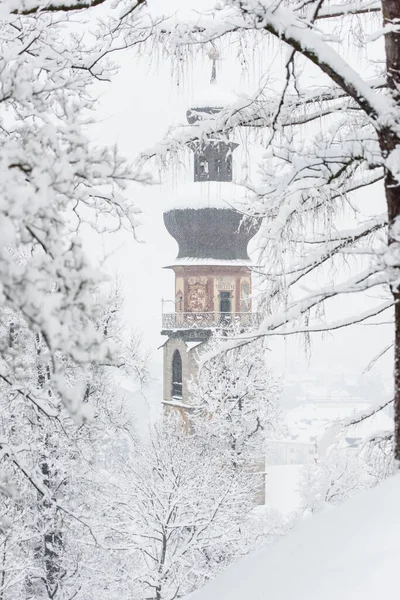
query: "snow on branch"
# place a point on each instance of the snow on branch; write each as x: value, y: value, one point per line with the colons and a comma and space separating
x: 332, y: 326
x: 277, y: 324
x: 357, y: 418
x: 328, y: 248
x: 270, y: 16
x: 256, y: 111
x: 348, y: 8
x: 283, y: 24
x: 54, y: 179
x: 31, y: 7
x: 28, y: 7
x: 378, y: 356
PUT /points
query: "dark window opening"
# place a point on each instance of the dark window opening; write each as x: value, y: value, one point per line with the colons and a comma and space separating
x: 212, y: 161
x: 224, y: 302
x: 177, y: 375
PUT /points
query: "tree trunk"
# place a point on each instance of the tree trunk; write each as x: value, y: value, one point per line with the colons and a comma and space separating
x: 48, y: 550
x: 389, y: 139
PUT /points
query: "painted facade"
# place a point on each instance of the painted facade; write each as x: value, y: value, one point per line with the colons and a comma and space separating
x: 198, y: 288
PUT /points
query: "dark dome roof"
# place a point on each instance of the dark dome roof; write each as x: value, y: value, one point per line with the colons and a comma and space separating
x: 210, y: 233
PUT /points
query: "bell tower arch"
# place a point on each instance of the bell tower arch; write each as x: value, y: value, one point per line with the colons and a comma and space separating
x: 176, y: 388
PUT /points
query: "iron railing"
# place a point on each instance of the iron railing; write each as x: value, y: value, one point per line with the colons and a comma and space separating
x: 207, y: 320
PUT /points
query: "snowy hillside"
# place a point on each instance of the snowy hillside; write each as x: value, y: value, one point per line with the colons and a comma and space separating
x: 349, y: 553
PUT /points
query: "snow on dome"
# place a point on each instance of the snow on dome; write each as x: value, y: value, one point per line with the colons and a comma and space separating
x: 189, y: 261
x: 212, y: 95
x: 204, y: 194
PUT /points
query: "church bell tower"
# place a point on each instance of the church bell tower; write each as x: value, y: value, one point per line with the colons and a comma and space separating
x: 213, y: 282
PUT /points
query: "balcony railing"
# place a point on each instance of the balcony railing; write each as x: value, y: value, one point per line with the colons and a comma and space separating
x: 208, y: 320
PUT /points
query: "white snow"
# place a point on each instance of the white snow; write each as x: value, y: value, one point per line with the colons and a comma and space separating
x: 186, y: 261
x: 205, y: 194
x: 191, y: 345
x: 177, y: 403
x: 350, y: 552
x: 213, y: 95
x: 393, y: 162
x: 310, y: 421
x: 281, y: 483
x: 313, y: 429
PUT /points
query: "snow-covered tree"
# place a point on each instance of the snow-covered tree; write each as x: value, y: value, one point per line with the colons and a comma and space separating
x: 325, y: 137
x: 59, y: 469
x: 182, y: 514
x: 332, y: 479
x: 344, y: 472
x: 379, y: 457
x: 236, y: 399
x: 52, y: 180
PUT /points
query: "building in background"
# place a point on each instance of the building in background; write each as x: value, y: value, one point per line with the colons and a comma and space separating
x: 314, y: 428
x: 213, y: 279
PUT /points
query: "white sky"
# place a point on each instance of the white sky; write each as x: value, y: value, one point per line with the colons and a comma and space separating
x: 136, y: 109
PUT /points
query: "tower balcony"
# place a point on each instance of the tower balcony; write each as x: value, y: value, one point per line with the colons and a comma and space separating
x: 209, y: 320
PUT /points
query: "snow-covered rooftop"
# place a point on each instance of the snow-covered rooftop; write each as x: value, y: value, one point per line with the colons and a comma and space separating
x: 349, y: 552
x: 212, y: 95
x: 309, y: 422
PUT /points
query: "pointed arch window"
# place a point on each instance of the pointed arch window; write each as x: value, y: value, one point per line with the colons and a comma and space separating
x: 177, y: 375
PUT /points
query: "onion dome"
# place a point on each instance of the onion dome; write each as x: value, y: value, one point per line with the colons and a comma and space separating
x: 210, y: 233
x: 208, y: 229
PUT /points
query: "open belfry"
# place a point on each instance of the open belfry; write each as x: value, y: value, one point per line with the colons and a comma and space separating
x: 213, y: 278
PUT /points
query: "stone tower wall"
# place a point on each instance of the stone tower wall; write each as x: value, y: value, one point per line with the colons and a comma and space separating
x: 189, y: 366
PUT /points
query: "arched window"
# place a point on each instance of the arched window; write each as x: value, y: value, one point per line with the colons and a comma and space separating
x: 177, y: 375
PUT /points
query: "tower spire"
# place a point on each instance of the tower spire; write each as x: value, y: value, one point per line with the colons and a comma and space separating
x: 213, y: 71
x: 213, y: 55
